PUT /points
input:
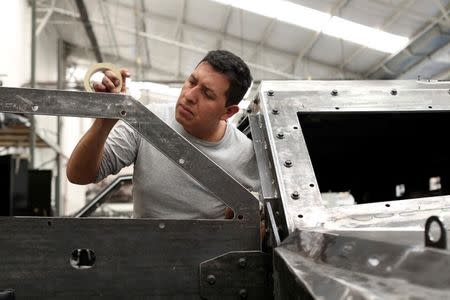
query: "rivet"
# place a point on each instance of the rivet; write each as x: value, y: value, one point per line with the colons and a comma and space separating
x: 295, y: 195
x: 288, y: 163
x: 270, y: 93
x: 393, y: 92
x: 280, y: 135
x: 334, y: 92
x: 211, y: 279
x: 275, y: 111
x: 242, y: 262
x: 243, y: 293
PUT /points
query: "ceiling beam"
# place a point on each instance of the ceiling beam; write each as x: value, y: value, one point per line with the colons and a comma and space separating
x: 80, y: 53
x: 84, y: 17
x: 265, y: 36
x: 112, y: 35
x: 224, y: 27
x: 144, y: 29
x: 178, y: 35
x: 204, y: 51
x: 394, y: 17
x: 315, y: 36
x: 420, y: 34
x: 222, y: 35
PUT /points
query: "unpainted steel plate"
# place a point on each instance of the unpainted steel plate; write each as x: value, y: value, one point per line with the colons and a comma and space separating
x: 49, y: 258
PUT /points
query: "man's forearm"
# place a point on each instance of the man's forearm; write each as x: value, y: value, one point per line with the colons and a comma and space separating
x: 84, y: 163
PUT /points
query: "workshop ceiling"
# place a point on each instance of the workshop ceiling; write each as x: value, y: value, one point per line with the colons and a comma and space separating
x: 162, y: 40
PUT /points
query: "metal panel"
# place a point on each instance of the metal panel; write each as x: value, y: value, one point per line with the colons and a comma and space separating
x: 280, y: 103
x: 243, y: 275
x: 365, y: 251
x: 155, y: 131
x: 137, y: 258
x: 328, y: 266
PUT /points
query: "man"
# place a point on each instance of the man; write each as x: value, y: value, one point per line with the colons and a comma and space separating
x: 209, y: 97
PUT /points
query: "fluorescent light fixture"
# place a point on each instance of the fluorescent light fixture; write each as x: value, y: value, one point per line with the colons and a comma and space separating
x: 309, y: 18
x: 284, y: 11
x: 365, y: 35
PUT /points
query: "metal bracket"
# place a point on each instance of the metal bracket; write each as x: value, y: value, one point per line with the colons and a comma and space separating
x: 148, y: 125
x: 237, y: 275
x: 441, y: 241
x: 275, y: 236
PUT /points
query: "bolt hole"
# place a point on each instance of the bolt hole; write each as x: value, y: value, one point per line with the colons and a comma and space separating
x: 49, y: 223
x: 311, y: 184
x: 434, y: 233
x: 337, y: 108
x: 300, y: 216
x: 123, y: 113
x: 295, y: 127
x: 387, y: 205
x: 240, y: 217
x: 429, y: 106
x: 82, y: 258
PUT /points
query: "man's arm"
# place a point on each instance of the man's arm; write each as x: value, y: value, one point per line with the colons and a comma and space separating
x: 84, y: 163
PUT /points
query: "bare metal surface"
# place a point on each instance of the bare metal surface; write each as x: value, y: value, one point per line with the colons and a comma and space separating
x: 234, y: 275
x: 134, y: 258
x: 329, y: 266
x: 164, y: 138
x: 365, y: 251
x: 280, y: 101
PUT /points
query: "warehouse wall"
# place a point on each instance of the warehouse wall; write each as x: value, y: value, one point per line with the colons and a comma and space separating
x: 15, y: 71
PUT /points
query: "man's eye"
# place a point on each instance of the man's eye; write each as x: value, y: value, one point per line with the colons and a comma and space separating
x: 209, y: 95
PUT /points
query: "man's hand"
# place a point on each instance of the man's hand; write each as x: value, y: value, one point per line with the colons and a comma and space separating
x: 110, y: 82
x: 229, y: 213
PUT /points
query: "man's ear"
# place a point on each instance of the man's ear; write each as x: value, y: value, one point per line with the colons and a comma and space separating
x: 230, y: 111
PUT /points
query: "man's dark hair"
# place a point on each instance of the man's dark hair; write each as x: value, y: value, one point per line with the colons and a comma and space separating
x: 235, y: 69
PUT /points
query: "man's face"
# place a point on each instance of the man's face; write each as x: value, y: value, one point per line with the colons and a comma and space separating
x: 201, y: 104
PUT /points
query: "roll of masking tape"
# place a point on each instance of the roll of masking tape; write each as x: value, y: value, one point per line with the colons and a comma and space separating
x: 102, y: 67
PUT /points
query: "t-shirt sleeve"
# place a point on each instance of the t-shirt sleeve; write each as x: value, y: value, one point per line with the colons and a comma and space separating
x: 120, y: 150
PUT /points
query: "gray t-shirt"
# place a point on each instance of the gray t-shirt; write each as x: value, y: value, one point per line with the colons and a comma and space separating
x: 163, y: 190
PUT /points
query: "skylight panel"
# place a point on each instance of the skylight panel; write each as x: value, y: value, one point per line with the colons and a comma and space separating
x: 312, y: 19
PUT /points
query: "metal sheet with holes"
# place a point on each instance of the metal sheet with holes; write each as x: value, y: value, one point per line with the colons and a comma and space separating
x: 330, y: 266
x: 133, y: 258
x: 237, y: 275
x: 136, y: 258
x: 155, y: 131
x: 368, y: 251
x: 279, y: 103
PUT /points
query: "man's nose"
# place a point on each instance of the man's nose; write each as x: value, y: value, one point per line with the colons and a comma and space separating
x: 192, y: 94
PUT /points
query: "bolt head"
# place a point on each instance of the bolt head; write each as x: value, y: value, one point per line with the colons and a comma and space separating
x: 288, y: 163
x: 270, y: 93
x: 211, y: 279
x: 275, y: 111
x: 394, y: 92
x: 295, y: 195
x: 280, y: 135
x: 242, y: 262
x: 334, y: 92
x: 243, y: 293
